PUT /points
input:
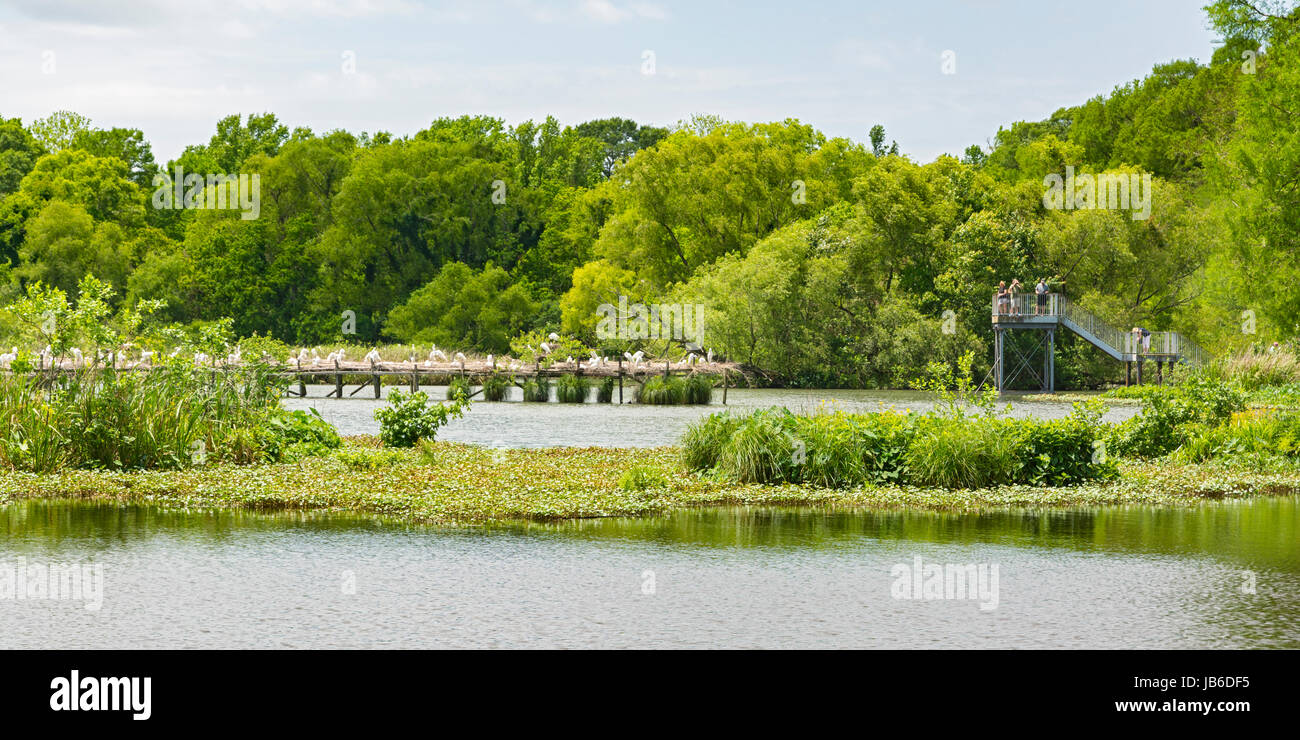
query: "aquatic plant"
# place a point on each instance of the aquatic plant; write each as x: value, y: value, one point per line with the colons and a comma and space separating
x: 605, y: 389
x: 537, y: 390
x: 495, y: 387
x: 572, y: 389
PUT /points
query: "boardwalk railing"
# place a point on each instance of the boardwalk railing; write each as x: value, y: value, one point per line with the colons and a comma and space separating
x: 1122, y: 345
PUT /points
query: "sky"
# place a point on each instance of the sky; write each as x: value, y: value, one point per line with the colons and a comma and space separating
x: 938, y: 74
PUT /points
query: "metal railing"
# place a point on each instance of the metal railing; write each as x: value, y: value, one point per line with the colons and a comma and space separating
x: 1024, y: 306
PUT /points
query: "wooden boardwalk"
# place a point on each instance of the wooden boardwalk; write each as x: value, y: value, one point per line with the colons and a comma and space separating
x: 413, y: 373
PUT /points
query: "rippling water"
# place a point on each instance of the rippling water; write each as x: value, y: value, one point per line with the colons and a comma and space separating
x: 1123, y: 577
x: 511, y: 423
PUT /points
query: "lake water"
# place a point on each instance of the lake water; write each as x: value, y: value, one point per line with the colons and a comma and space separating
x: 1121, y: 577
x: 512, y: 423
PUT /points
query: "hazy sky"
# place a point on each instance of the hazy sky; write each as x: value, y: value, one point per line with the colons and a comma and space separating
x: 173, y: 67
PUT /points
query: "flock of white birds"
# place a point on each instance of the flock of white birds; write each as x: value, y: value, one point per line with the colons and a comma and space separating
x: 314, y: 359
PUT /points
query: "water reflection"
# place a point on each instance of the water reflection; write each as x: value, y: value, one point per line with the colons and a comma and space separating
x: 1114, y: 577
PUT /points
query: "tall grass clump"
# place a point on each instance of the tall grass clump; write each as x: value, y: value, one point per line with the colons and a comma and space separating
x: 537, y: 390
x: 704, y: 440
x: 1256, y: 369
x: 843, y: 450
x: 605, y: 390
x: 495, y: 387
x: 661, y: 391
x: 459, y: 389
x: 699, y: 389
x: 172, y: 416
x: 572, y: 389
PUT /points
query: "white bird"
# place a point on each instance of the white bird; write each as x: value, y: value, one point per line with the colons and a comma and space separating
x: 515, y: 365
x: 234, y: 357
x: 553, y: 337
x: 570, y: 360
x: 175, y: 352
x: 302, y: 355
x: 546, y: 348
x: 491, y: 361
x: 710, y: 357
x: 146, y: 357
x: 76, y: 356
x: 8, y: 358
x: 460, y: 358
x: 199, y: 358
x: 373, y: 356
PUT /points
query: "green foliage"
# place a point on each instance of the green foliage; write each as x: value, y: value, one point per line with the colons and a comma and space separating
x: 173, y: 417
x: 368, y: 460
x: 605, y: 389
x: 1171, y: 413
x: 459, y: 389
x: 410, y: 418
x: 537, y: 390
x: 842, y: 450
x: 641, y: 478
x: 572, y: 388
x: 699, y: 389
x: 496, y: 387
x: 660, y: 391
x: 465, y: 309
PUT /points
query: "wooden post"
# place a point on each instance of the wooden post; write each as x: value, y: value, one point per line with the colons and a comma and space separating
x: 378, y: 393
x: 1160, y: 372
x: 415, y: 375
x: 338, y: 380
x: 1139, y: 362
x: 724, y: 386
x: 620, y: 381
x: 667, y: 364
x: 1128, y: 373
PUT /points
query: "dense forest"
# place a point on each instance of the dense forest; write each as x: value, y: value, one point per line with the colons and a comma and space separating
x: 823, y: 261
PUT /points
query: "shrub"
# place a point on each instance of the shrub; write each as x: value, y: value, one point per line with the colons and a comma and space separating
x: 1169, y: 412
x: 1061, y: 452
x: 293, y: 435
x: 537, y: 390
x: 495, y: 387
x: 572, y: 389
x: 410, y: 418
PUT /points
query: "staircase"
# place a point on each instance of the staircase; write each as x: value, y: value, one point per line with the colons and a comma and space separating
x: 1124, y: 346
